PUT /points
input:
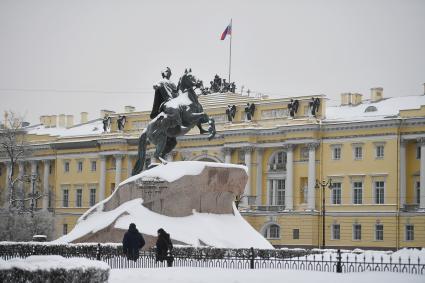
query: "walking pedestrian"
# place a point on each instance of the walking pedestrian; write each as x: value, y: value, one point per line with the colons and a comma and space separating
x: 164, y: 246
x: 132, y: 242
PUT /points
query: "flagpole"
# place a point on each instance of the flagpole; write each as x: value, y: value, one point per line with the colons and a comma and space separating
x: 230, y: 49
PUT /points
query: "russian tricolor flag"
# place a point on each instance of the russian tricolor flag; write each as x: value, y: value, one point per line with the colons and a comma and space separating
x: 227, y: 31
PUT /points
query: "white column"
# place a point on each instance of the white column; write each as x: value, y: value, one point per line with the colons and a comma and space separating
x: 118, y: 168
x: 33, y: 173
x: 8, y: 192
x: 21, y: 192
x: 46, y: 184
x: 289, y: 182
x: 269, y: 201
x: 311, y: 175
x: 170, y: 157
x: 227, y: 155
x: 259, y: 184
x: 248, y: 163
x: 129, y: 166
x: 8, y: 172
x: 422, y: 174
x: 102, y: 181
x: 402, y: 173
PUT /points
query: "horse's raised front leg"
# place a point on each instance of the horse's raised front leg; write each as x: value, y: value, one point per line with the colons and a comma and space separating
x: 211, y: 129
x: 160, y: 146
x: 201, y: 131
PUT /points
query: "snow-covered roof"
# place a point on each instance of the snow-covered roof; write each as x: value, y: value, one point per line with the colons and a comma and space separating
x: 365, y: 111
x: 369, y: 111
x: 94, y: 127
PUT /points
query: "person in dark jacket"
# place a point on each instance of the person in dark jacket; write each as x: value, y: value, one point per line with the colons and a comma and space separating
x: 163, y: 246
x: 132, y: 242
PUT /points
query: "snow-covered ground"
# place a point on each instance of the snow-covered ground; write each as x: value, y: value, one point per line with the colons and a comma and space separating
x: 214, y: 275
x: 400, y: 256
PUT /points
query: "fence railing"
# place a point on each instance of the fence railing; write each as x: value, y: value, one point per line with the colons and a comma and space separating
x: 298, y: 259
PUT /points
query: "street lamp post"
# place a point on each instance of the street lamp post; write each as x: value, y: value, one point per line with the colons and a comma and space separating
x: 323, y: 184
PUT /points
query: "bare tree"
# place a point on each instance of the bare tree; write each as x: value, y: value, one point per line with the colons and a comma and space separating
x: 13, y: 146
x: 16, y: 222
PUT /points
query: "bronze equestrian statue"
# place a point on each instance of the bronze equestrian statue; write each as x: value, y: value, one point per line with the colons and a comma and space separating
x: 176, y: 117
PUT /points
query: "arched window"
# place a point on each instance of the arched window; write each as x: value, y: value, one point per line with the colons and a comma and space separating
x: 278, y: 162
x: 207, y: 159
x: 371, y: 109
x: 272, y: 232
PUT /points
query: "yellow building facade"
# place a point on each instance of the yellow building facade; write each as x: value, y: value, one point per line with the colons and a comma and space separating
x: 370, y: 149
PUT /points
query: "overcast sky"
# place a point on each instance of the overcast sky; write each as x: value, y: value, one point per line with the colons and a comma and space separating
x: 71, y: 56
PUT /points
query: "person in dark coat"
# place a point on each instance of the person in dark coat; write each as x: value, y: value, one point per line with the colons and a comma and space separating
x: 132, y: 242
x: 163, y: 246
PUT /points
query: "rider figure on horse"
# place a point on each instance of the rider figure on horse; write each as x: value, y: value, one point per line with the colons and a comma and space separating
x: 165, y: 90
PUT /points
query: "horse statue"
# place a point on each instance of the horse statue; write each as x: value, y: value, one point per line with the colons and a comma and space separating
x: 176, y: 118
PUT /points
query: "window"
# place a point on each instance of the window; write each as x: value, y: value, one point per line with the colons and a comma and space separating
x: 0, y: 171
x: 379, y: 232
x: 379, y: 192
x: 92, y: 196
x: 357, y: 232
x: 379, y: 151
x: 336, y: 232
x: 66, y: 166
x: 418, y: 192
x: 304, y: 153
x: 418, y: 152
x: 50, y: 169
x: 80, y: 166
x: 410, y: 232
x: 279, y: 161
x: 65, y: 199
x: 336, y: 153
x: 50, y: 197
x: 357, y: 192
x: 277, y: 192
x: 307, y: 110
x: 65, y: 229
x: 358, y: 152
x: 79, y: 198
x: 295, y: 234
x: 93, y: 166
x: 336, y: 193
x: 241, y: 156
x: 272, y: 232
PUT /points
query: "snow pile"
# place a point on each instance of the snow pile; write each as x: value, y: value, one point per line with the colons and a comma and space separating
x: 48, y: 262
x: 213, y: 275
x: 53, y: 268
x: 177, y: 169
x: 217, y: 230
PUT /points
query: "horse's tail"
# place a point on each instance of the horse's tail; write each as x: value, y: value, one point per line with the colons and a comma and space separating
x: 138, y: 167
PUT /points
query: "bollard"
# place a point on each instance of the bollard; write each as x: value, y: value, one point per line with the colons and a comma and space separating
x: 338, y: 264
x: 251, y: 259
x: 98, y: 252
x: 170, y: 259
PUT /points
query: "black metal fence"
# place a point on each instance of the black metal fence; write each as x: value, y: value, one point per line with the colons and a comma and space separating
x: 297, y: 259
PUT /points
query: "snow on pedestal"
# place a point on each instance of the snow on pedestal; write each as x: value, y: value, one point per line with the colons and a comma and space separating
x: 191, y: 200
